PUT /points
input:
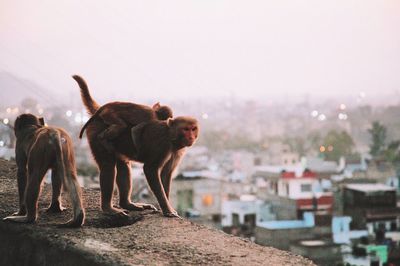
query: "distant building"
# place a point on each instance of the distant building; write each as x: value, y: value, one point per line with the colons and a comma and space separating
x: 201, y: 193
x: 371, y: 206
x: 341, y: 232
x: 356, y: 167
x: 303, y: 189
x: 196, y: 158
x: 321, y: 251
x: 368, y: 255
x: 239, y: 217
x: 380, y: 170
x: 322, y: 167
x: 281, y: 234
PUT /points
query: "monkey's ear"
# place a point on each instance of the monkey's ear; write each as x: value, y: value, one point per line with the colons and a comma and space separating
x: 41, y: 120
x: 156, y: 106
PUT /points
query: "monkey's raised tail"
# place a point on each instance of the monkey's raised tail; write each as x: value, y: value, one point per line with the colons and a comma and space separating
x: 90, y: 104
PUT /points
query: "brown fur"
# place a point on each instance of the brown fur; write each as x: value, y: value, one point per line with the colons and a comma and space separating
x: 163, y: 112
x: 38, y: 149
x: 115, y: 165
x: 160, y: 146
x: 85, y: 95
x: 118, y: 115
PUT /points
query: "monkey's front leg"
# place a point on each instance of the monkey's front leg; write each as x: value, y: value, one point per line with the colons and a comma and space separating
x: 32, y: 192
x: 152, y: 174
x: 56, y: 184
x: 166, y: 173
x: 21, y: 179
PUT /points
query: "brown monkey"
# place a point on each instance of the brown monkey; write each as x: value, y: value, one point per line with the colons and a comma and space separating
x: 38, y: 149
x: 163, y: 112
x: 121, y: 115
x: 160, y: 145
x: 115, y: 165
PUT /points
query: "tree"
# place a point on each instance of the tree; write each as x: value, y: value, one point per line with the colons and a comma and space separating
x: 392, y: 152
x: 378, y: 136
x: 336, y: 145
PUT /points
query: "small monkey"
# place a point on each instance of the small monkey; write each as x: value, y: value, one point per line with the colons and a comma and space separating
x: 121, y: 115
x: 38, y: 149
x: 163, y: 112
x: 118, y: 116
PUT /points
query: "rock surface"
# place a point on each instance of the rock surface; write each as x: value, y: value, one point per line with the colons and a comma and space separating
x: 146, y: 238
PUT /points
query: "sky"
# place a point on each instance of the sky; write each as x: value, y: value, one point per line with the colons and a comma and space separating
x: 204, y: 49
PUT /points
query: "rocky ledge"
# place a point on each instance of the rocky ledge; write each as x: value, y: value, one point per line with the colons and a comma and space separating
x: 146, y: 238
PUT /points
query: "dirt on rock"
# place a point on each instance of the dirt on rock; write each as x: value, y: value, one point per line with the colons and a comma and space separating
x: 146, y: 238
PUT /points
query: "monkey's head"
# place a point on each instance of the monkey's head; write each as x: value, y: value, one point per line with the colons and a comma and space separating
x: 184, y: 130
x: 27, y: 120
x: 163, y: 112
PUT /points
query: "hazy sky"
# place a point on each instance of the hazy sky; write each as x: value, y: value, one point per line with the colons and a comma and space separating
x: 165, y: 49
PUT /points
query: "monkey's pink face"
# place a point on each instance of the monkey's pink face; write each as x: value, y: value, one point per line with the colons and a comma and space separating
x: 190, y: 133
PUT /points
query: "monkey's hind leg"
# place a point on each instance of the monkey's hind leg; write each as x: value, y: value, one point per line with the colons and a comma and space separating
x: 105, y: 142
x: 76, y: 199
x: 124, y: 184
x: 65, y: 171
x: 56, y: 183
x: 72, y: 186
x: 75, y: 196
x: 107, y: 179
x: 116, y: 126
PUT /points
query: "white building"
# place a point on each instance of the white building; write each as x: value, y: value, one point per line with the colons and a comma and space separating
x: 246, y: 210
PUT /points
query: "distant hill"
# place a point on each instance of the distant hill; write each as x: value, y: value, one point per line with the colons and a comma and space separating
x: 14, y: 89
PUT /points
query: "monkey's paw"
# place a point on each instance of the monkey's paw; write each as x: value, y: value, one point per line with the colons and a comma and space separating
x: 148, y: 206
x: 137, y: 206
x: 117, y: 213
x: 55, y: 208
x: 18, y: 213
x: 20, y: 219
x: 172, y: 215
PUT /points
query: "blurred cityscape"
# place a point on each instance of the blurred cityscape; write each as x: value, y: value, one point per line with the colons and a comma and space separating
x: 317, y: 178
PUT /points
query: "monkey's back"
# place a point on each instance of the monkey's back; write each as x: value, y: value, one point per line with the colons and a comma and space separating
x: 132, y: 113
x: 44, y: 142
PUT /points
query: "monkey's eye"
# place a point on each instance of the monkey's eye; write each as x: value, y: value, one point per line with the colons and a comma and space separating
x: 194, y: 129
x: 186, y: 129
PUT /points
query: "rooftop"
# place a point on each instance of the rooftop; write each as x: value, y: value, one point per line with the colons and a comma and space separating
x: 370, y: 187
x: 200, y: 174
x: 307, y: 222
x: 275, y: 225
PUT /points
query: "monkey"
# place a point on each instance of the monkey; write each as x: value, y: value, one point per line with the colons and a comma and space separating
x: 160, y: 146
x: 38, y: 149
x: 114, y: 166
x: 163, y: 112
x: 120, y: 115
